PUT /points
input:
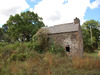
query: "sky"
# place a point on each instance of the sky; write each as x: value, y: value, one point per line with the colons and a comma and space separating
x: 53, y: 12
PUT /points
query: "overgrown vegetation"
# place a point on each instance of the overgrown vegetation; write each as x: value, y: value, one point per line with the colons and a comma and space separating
x: 40, y: 40
x: 21, y: 59
x: 41, y: 43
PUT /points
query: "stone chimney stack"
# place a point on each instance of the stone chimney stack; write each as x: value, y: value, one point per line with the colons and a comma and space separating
x: 76, y: 21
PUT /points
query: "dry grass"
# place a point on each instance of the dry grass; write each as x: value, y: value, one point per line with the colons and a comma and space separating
x: 86, y: 63
x: 48, y: 64
x: 51, y: 64
x: 33, y: 66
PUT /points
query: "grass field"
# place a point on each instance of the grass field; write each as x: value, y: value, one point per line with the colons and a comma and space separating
x: 48, y: 63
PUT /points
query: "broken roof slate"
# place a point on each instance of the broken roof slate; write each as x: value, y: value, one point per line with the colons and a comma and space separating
x: 62, y: 28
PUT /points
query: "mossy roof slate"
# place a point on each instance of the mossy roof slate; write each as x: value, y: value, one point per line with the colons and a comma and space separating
x: 62, y: 28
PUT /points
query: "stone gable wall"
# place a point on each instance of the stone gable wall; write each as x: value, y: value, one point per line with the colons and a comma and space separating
x: 80, y: 41
x: 70, y: 39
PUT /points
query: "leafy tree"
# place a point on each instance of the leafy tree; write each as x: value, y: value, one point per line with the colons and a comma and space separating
x: 4, y: 37
x: 23, y: 26
x: 90, y: 34
x: 1, y: 33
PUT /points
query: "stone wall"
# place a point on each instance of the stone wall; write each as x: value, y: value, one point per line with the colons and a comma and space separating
x: 70, y: 39
x: 80, y: 41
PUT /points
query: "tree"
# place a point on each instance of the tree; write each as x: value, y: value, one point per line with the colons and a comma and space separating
x: 1, y: 34
x: 23, y: 26
x: 90, y: 34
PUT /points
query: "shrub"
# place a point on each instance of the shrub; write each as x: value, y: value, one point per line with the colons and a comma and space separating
x: 21, y: 56
x: 13, y: 57
x: 56, y: 49
x: 16, y: 44
x: 40, y: 40
x: 28, y: 45
x: 23, y: 48
x: 3, y: 44
x: 89, y: 49
x: 7, y: 50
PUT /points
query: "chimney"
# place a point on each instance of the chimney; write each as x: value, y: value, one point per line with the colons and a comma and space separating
x: 76, y: 21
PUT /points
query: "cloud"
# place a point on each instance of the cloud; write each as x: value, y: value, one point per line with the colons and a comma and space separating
x: 11, y: 7
x: 95, y: 4
x: 31, y: 9
x: 62, y: 11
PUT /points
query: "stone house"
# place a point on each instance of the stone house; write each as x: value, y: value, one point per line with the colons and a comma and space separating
x: 68, y: 35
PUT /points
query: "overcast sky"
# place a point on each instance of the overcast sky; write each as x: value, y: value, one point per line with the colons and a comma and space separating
x: 52, y: 11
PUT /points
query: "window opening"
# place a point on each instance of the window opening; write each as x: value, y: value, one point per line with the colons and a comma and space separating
x: 68, y: 49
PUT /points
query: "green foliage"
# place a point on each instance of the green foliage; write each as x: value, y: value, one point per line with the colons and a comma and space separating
x: 1, y: 34
x: 90, y: 35
x: 13, y: 57
x: 89, y: 48
x: 41, y: 43
x: 21, y: 56
x: 40, y: 40
x: 23, y: 26
x: 7, y: 50
x: 28, y: 45
x: 3, y: 44
x: 56, y: 49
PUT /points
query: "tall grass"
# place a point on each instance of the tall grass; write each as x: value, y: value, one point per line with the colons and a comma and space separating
x: 86, y: 63
x: 22, y: 59
x: 47, y: 64
x: 51, y: 64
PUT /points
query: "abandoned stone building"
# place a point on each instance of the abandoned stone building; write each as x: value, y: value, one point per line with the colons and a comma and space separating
x: 68, y: 35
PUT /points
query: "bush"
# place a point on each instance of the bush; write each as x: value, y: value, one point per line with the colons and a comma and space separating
x: 21, y: 56
x: 7, y: 50
x: 16, y: 44
x: 28, y: 45
x: 40, y: 40
x: 13, y: 57
x: 56, y: 49
x: 89, y: 49
x: 3, y: 44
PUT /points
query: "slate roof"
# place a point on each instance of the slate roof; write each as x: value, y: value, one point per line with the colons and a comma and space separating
x: 62, y: 28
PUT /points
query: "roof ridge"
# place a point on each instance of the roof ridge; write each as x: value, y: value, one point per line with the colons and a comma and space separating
x: 64, y: 24
x: 61, y: 24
